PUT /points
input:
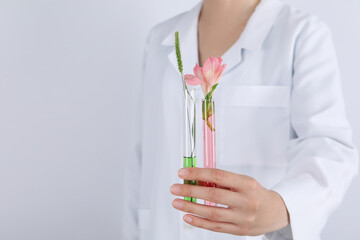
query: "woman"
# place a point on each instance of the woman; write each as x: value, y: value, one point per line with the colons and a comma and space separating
x: 285, y: 155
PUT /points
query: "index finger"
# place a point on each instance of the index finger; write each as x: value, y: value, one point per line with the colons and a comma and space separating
x: 214, y: 175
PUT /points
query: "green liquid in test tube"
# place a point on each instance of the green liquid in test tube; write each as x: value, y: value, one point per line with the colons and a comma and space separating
x: 190, y: 162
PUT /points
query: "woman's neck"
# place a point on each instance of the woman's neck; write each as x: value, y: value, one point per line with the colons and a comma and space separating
x: 216, y: 12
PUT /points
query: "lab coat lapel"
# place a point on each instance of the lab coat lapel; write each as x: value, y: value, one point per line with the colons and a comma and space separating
x: 254, y: 33
x: 187, y: 28
x: 260, y: 24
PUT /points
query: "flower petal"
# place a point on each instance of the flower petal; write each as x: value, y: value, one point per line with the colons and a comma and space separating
x: 198, y: 72
x: 220, y: 61
x: 192, y: 80
x: 221, y: 71
x: 218, y: 74
x: 209, y: 68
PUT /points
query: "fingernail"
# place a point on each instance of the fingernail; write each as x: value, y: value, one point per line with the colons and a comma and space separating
x: 177, y: 204
x: 183, y: 172
x: 187, y: 219
x: 175, y: 189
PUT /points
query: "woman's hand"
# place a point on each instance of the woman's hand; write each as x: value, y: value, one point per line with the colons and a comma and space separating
x: 252, y: 210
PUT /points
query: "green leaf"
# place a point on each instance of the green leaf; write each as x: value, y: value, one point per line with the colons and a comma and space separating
x: 208, y: 95
x: 214, y: 87
x: 212, y: 90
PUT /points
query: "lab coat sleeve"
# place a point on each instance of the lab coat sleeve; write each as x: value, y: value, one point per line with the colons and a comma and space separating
x: 321, y: 158
x: 132, y: 169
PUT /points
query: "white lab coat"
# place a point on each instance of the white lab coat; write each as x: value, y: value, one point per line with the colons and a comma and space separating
x: 280, y: 118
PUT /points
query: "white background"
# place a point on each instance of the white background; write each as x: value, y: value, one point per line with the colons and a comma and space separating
x: 69, y: 71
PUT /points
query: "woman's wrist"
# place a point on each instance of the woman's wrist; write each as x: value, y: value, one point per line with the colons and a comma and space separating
x: 271, y: 214
x: 276, y: 215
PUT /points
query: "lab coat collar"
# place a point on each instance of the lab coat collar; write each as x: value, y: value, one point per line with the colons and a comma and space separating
x: 252, y: 38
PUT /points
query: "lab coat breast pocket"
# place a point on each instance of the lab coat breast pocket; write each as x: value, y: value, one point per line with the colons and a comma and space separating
x: 252, y: 124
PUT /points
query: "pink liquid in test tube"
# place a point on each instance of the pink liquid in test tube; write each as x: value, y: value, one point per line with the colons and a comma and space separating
x: 209, y: 147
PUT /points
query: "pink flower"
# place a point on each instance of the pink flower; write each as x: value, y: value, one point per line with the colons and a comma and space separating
x: 208, y: 75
